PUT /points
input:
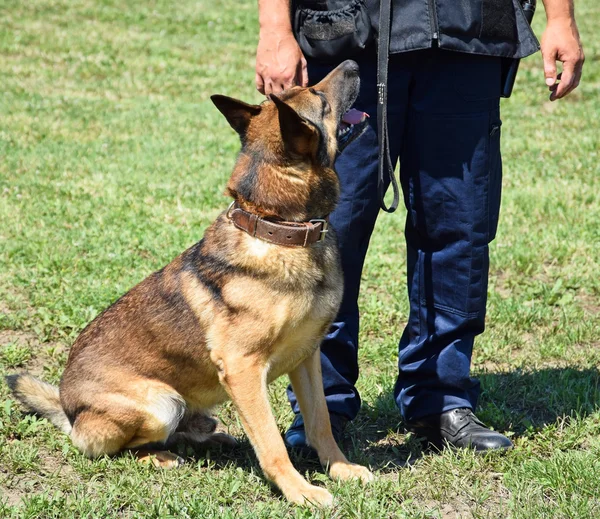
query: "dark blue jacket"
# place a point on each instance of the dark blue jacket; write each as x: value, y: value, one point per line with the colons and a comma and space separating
x: 492, y: 27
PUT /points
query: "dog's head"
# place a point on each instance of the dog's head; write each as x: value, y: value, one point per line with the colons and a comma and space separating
x: 289, y: 145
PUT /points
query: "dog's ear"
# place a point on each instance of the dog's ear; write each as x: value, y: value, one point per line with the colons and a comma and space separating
x: 237, y: 113
x: 296, y: 131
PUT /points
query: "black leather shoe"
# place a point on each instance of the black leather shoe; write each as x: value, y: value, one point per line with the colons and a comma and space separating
x: 295, y: 436
x: 458, y: 428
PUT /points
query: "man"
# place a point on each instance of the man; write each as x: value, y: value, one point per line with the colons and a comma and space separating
x: 444, y: 127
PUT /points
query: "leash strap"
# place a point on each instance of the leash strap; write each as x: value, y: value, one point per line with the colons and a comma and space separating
x: 385, y: 161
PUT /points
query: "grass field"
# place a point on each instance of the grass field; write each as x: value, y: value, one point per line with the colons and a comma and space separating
x: 113, y: 160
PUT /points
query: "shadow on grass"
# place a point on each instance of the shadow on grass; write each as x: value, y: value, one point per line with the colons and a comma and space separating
x: 242, y: 455
x: 521, y: 401
x: 528, y: 400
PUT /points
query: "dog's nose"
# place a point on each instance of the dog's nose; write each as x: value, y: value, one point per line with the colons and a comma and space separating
x: 350, y: 66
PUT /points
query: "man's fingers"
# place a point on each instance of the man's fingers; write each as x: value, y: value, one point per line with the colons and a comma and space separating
x: 277, y: 87
x: 288, y: 83
x: 553, y: 87
x: 566, y: 81
x: 273, y: 86
x: 550, y: 67
x: 303, y: 72
x: 578, y: 71
x: 268, y: 87
x: 260, y: 83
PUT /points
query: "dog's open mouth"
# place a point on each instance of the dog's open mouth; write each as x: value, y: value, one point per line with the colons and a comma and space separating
x: 353, y: 123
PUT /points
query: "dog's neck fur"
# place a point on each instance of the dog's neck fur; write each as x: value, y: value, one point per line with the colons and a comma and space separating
x: 275, y: 186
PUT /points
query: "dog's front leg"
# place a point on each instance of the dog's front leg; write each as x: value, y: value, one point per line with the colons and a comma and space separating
x: 245, y: 380
x: 308, y: 386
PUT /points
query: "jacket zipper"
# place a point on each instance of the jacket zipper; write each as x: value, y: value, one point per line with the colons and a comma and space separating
x: 434, y: 19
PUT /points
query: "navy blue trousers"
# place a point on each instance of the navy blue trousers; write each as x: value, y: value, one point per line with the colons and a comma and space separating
x: 444, y: 123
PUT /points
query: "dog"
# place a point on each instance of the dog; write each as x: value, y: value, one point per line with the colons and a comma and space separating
x: 248, y: 303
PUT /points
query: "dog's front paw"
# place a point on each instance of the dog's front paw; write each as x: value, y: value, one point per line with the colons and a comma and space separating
x: 310, y: 495
x: 343, y: 471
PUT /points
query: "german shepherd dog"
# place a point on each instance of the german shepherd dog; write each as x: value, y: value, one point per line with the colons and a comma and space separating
x: 232, y: 313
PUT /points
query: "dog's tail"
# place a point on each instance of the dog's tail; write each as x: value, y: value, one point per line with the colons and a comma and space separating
x: 40, y: 398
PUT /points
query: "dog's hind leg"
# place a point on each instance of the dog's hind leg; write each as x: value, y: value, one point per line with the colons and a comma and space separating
x: 245, y: 380
x: 117, y: 422
x: 96, y: 433
x: 164, y: 412
x: 307, y: 383
x: 199, y: 427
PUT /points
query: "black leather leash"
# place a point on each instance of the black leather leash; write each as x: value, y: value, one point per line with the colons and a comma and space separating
x: 385, y: 161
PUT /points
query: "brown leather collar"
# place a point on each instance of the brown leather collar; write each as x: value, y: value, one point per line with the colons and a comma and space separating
x: 291, y: 234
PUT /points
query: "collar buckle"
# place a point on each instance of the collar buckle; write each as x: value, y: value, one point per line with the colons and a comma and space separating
x: 229, y: 209
x: 324, y: 227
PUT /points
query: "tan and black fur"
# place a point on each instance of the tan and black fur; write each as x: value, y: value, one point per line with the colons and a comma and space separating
x: 229, y: 315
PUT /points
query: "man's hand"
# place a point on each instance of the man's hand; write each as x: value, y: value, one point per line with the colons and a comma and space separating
x: 561, y: 42
x: 280, y: 63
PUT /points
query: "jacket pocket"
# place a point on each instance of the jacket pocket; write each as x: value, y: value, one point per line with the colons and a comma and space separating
x: 331, y: 35
x: 498, y: 21
x: 487, y: 20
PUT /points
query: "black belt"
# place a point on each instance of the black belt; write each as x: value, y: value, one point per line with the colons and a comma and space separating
x: 385, y: 161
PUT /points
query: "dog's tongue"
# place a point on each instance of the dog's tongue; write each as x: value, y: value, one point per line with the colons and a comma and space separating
x: 354, y: 116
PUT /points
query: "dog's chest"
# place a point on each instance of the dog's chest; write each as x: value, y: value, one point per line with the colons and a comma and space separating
x: 303, y: 320
x: 275, y: 307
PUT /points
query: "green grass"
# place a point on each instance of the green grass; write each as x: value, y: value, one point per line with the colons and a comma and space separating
x: 113, y: 160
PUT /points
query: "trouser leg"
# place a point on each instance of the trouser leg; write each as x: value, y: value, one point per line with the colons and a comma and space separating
x: 353, y: 220
x: 451, y: 171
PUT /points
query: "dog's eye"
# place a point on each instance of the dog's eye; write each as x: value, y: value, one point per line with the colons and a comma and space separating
x: 324, y: 102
